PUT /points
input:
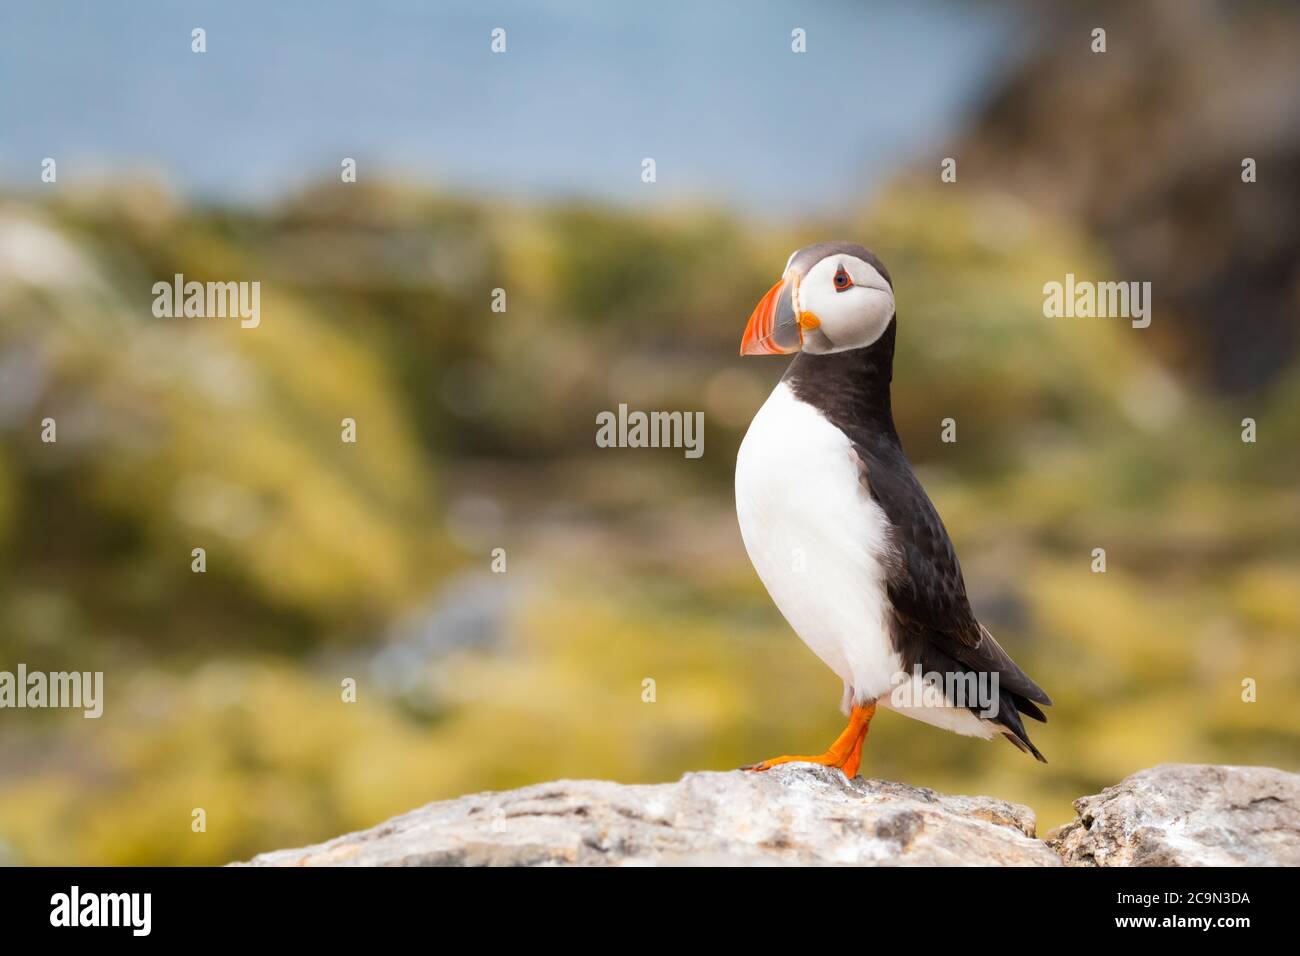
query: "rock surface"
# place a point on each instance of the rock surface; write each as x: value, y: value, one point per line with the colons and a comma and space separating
x: 796, y: 814
x: 1171, y: 815
x: 1188, y: 815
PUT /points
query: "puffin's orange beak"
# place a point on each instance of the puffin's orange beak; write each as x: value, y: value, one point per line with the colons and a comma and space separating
x: 774, y: 329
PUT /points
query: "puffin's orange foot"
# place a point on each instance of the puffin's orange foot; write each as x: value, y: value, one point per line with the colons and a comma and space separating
x: 828, y: 759
x: 845, y: 754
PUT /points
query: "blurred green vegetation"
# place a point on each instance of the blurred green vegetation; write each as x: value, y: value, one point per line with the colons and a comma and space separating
x: 476, y: 431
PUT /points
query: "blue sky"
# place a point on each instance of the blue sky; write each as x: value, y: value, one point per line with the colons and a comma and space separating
x: 710, y: 90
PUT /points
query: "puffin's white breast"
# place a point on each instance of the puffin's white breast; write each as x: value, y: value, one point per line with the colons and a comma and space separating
x: 816, y: 539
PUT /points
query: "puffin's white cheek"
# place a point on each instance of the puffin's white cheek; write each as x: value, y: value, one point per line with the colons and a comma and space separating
x: 876, y: 312
x: 854, y: 320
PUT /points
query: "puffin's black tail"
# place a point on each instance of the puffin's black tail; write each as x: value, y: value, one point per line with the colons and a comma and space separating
x: 1011, y: 705
x: 1017, y: 694
x: 1026, y: 745
x: 1022, y: 741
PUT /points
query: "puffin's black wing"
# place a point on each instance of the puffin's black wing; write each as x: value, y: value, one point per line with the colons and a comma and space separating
x: 934, y: 624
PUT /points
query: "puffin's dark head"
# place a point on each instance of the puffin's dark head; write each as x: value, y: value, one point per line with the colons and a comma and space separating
x: 834, y: 296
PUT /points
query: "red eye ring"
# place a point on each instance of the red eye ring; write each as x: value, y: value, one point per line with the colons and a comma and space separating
x: 843, y: 280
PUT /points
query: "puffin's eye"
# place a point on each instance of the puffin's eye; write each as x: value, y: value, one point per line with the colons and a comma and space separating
x: 842, y: 280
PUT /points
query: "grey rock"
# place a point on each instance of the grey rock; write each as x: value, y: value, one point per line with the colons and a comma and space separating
x: 1187, y: 815
x: 795, y: 814
x: 1170, y: 815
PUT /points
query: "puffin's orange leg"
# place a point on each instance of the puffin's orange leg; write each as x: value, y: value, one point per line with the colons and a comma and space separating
x: 845, y: 753
x: 851, y: 765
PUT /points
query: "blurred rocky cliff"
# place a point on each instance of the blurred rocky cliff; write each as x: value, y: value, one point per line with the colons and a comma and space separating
x: 1144, y: 146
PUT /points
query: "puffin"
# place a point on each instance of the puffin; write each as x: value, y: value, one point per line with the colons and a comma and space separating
x: 840, y: 530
